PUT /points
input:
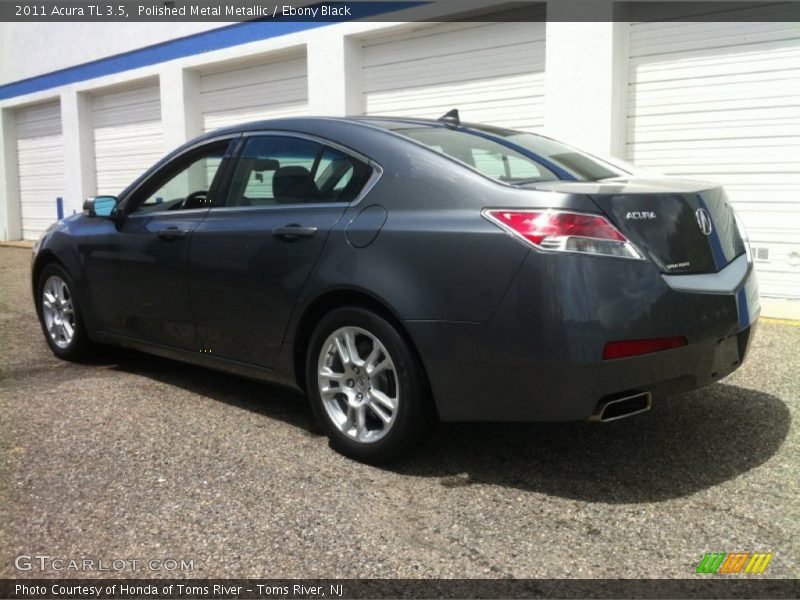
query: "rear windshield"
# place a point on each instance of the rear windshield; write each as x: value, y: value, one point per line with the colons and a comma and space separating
x: 538, y: 158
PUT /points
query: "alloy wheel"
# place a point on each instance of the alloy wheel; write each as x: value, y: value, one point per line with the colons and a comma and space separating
x: 358, y: 384
x: 58, y: 311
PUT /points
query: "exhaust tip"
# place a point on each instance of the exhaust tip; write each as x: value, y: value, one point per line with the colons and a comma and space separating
x: 622, y: 408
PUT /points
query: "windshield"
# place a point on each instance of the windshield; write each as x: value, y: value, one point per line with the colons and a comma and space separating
x: 516, y: 158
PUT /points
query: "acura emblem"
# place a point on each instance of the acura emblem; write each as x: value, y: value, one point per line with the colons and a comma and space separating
x: 703, y: 220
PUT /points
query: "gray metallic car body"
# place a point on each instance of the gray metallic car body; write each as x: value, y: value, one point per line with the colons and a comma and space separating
x: 504, y: 331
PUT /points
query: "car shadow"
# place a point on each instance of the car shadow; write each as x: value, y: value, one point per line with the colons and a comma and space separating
x: 265, y: 399
x: 681, y: 446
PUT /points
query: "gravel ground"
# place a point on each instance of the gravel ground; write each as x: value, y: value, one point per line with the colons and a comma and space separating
x: 142, y: 457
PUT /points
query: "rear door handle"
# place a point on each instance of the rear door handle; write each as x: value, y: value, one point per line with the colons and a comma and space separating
x: 172, y: 233
x: 293, y: 232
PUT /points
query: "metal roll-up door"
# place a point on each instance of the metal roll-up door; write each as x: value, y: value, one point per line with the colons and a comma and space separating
x: 229, y: 96
x: 720, y: 101
x: 128, y: 135
x: 492, y: 72
x: 40, y: 163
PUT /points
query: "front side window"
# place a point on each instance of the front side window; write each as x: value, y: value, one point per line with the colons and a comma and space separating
x: 185, y: 184
x: 278, y: 170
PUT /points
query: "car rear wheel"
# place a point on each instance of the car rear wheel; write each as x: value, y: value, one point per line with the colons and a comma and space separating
x: 367, y: 386
x: 60, y: 314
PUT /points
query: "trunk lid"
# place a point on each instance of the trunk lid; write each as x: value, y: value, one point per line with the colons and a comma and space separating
x: 682, y: 226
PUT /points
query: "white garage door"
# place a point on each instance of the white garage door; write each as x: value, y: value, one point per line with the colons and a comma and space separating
x: 40, y: 160
x: 492, y: 72
x: 721, y: 102
x: 255, y: 92
x: 127, y: 136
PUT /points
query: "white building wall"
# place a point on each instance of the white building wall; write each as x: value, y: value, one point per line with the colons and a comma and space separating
x: 63, y: 45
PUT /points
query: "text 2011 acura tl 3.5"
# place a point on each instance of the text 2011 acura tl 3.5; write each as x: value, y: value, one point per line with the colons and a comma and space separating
x: 401, y: 271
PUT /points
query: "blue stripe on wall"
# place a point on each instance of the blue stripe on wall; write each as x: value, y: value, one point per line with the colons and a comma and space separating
x: 207, y: 41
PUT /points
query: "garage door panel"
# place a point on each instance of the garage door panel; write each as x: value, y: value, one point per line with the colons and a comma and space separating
x: 511, y: 89
x: 40, y: 166
x: 234, y: 117
x: 716, y: 156
x: 759, y: 221
x: 781, y: 56
x: 752, y: 113
x: 721, y: 102
x: 768, y: 17
x: 722, y: 98
x: 46, y: 180
x: 265, y: 94
x: 274, y: 71
x: 269, y: 90
x: 723, y: 36
x: 483, y: 64
x: 449, y: 40
x: 128, y: 136
x: 112, y: 100
x: 32, y: 164
x: 492, y: 72
x: 714, y: 132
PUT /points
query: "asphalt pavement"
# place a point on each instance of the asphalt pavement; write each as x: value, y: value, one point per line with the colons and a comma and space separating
x: 138, y: 457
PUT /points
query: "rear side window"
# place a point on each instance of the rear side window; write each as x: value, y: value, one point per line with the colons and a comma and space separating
x: 278, y: 170
x: 538, y: 159
x: 489, y: 157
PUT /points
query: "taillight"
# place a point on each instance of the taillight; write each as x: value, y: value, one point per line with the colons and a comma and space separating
x: 624, y: 348
x: 564, y: 231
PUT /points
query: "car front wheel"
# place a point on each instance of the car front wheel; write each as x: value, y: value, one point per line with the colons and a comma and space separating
x: 60, y: 314
x: 367, y: 386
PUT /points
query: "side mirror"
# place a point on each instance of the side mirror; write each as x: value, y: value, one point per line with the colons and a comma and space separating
x: 100, y: 206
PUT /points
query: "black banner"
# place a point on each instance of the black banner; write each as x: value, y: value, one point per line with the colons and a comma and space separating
x: 703, y: 586
x: 395, y: 10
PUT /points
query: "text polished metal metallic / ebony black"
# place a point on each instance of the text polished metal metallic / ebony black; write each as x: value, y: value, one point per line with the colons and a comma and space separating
x: 401, y: 271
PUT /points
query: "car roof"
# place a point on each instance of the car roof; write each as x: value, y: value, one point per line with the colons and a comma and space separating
x: 383, y: 122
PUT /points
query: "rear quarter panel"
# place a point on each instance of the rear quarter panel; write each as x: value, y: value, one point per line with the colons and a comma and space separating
x: 436, y: 257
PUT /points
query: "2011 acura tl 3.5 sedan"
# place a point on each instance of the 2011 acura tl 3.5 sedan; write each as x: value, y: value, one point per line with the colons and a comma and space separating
x: 403, y: 270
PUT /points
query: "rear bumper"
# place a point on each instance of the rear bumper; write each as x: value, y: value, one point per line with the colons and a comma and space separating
x: 540, y: 356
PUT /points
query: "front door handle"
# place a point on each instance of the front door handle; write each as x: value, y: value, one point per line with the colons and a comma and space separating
x: 293, y: 232
x: 172, y: 233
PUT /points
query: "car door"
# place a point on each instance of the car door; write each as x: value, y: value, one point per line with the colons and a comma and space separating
x: 250, y: 259
x: 137, y: 262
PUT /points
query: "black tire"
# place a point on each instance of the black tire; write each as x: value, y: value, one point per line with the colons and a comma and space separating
x: 79, y: 348
x: 415, y: 414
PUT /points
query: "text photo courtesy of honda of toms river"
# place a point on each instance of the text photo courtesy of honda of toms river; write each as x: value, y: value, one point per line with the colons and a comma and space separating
x: 403, y: 271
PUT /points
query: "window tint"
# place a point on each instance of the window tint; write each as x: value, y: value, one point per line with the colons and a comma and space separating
x: 507, y: 167
x: 187, y: 184
x: 339, y: 177
x: 487, y: 156
x: 580, y: 165
x: 274, y: 170
x: 498, y: 161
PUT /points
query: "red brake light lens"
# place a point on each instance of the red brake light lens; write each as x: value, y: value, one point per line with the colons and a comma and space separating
x: 564, y: 231
x: 625, y: 348
x: 538, y: 226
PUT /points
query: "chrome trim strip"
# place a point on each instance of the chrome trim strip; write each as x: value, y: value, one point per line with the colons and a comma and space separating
x: 726, y: 281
